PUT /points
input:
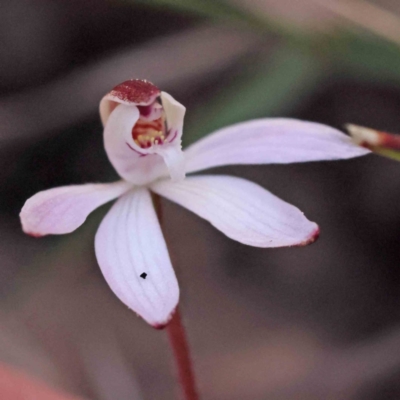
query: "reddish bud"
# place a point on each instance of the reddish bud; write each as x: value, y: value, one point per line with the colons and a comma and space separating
x: 372, y: 139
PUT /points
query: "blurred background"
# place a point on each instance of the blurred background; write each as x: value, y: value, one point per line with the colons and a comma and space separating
x: 321, y: 322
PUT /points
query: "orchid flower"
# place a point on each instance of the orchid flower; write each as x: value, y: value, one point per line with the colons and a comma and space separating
x: 142, y: 138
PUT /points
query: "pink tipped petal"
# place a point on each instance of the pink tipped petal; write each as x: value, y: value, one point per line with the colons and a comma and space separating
x: 270, y: 141
x: 135, y: 92
x: 64, y: 209
x: 242, y: 210
x: 133, y: 257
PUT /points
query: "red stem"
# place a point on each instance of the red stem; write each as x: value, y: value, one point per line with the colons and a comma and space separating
x: 177, y: 337
x: 180, y: 348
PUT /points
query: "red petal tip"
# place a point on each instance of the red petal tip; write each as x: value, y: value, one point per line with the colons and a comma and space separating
x: 34, y: 234
x: 160, y: 327
x: 165, y: 324
x: 314, y: 236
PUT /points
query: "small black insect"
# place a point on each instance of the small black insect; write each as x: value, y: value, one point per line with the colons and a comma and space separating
x: 143, y: 275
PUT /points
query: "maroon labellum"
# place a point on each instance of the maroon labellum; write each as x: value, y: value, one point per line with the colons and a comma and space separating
x: 136, y: 92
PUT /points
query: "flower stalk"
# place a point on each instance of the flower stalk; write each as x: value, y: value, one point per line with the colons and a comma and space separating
x: 177, y: 336
x: 180, y: 349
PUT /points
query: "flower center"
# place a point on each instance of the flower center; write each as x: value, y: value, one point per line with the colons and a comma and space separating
x: 149, y: 133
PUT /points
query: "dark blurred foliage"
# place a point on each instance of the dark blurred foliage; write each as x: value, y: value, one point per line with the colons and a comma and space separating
x: 320, y: 322
x: 45, y: 39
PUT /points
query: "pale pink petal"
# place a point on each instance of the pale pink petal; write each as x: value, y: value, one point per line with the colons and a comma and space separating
x: 63, y: 209
x: 242, y: 210
x: 270, y: 141
x: 129, y: 244
x: 174, y: 160
x: 171, y: 151
x: 133, y: 163
x: 175, y: 114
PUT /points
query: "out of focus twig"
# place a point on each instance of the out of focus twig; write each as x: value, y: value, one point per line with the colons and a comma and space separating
x: 170, y: 61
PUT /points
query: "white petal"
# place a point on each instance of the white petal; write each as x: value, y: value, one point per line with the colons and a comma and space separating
x: 63, y: 209
x: 242, y: 210
x: 132, y: 163
x: 175, y: 161
x: 175, y: 113
x: 135, y: 164
x: 172, y: 150
x: 270, y: 141
x: 129, y: 243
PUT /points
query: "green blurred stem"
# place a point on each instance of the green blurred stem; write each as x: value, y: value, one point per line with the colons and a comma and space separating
x: 392, y: 154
